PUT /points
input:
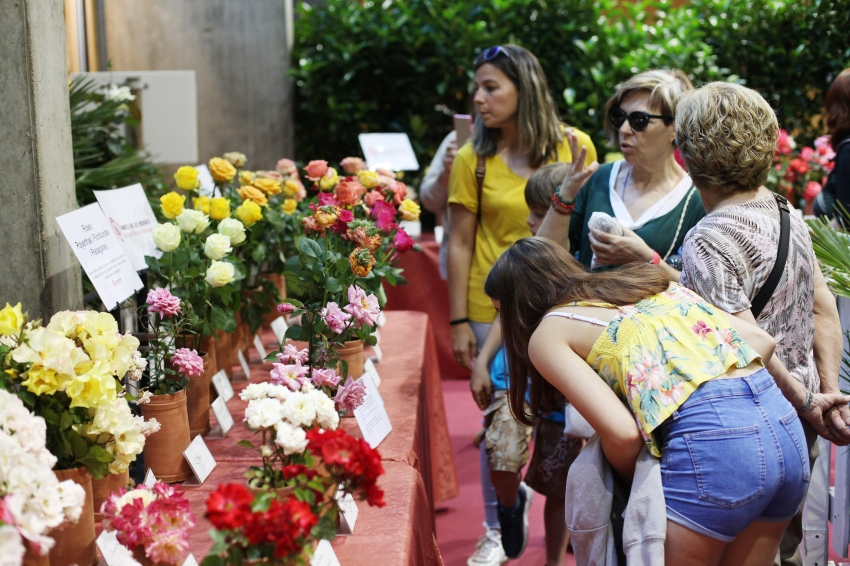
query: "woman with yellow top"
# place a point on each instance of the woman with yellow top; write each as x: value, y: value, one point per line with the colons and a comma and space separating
x: 734, y: 464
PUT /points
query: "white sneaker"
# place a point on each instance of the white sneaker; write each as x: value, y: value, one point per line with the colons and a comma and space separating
x: 488, y: 550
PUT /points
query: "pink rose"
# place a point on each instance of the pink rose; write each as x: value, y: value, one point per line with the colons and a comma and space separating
x: 784, y: 143
x: 336, y: 319
x: 813, y: 188
x: 824, y: 148
x: 385, y: 172
x: 402, y: 241
x: 399, y: 190
x: 327, y: 199
x: 385, y: 182
x: 162, y: 302
x: 270, y: 175
x: 352, y: 165
x: 293, y: 376
x: 285, y: 308
x: 372, y: 197
x: 807, y: 153
x: 287, y: 168
x: 364, y: 308
x: 325, y: 377
x: 316, y: 169
x: 351, y: 395
x: 291, y: 353
x: 384, y: 216
x: 188, y: 362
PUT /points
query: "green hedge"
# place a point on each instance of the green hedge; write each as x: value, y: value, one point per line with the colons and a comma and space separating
x: 405, y: 65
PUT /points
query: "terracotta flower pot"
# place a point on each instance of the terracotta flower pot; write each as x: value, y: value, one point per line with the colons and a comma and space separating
x: 352, y: 353
x: 223, y: 353
x: 75, y: 543
x: 198, y: 399
x: 33, y: 559
x: 164, y: 449
x: 104, y: 487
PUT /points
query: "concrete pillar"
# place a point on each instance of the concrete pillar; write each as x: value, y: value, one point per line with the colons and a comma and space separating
x: 37, y: 266
x: 238, y: 49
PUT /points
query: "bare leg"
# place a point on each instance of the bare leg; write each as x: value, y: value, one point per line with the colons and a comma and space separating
x: 557, y: 536
x: 756, y: 546
x: 507, y: 486
x: 685, y: 547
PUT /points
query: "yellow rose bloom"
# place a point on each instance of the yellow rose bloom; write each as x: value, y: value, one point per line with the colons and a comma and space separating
x: 368, y: 179
x: 221, y: 170
x: 289, y: 206
x: 201, y: 203
x: 187, y: 178
x: 252, y: 193
x: 219, y: 208
x: 11, y: 320
x: 409, y: 210
x: 268, y: 186
x: 245, y: 177
x: 329, y: 180
x: 325, y: 219
x: 42, y: 381
x: 249, y: 212
x: 172, y: 204
x: 93, y: 387
x: 292, y: 187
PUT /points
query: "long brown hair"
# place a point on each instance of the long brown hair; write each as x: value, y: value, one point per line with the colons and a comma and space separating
x: 535, y: 275
x: 837, y: 104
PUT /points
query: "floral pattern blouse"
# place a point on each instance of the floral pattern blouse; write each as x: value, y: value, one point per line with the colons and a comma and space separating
x: 655, y: 353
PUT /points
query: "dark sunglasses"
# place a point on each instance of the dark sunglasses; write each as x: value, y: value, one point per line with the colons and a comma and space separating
x: 637, y: 120
x: 489, y: 54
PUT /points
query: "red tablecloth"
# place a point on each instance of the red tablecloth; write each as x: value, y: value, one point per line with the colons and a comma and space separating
x: 417, y: 454
x: 426, y: 292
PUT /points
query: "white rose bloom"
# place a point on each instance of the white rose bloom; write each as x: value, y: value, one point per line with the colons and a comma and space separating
x: 73, y: 497
x: 34, y: 436
x: 11, y: 546
x: 298, y: 409
x: 233, y: 229
x: 220, y: 273
x: 217, y: 246
x: 193, y: 221
x: 166, y: 237
x: 266, y: 451
x: 293, y: 440
x: 327, y: 416
x: 263, y: 413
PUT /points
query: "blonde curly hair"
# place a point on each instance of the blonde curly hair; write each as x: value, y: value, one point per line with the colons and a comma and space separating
x: 727, y: 136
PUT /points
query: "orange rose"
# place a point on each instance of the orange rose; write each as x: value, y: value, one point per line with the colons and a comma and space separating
x: 252, y: 193
x: 360, y: 237
x: 326, y: 216
x: 316, y: 169
x: 361, y: 262
x: 349, y: 192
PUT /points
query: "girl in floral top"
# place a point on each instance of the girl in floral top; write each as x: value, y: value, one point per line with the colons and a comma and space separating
x: 732, y: 452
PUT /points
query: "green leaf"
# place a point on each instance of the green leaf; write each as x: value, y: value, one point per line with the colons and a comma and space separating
x: 294, y: 332
x: 245, y: 443
x: 310, y: 247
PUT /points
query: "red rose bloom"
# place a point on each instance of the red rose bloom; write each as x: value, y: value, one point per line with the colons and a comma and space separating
x: 229, y: 506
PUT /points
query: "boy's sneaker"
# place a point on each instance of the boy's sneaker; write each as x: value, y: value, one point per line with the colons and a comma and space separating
x: 514, y: 523
x: 488, y: 550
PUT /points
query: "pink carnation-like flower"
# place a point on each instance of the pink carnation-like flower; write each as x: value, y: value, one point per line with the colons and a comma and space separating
x: 335, y: 317
x: 351, y: 395
x: 364, y: 308
x: 188, y: 362
x: 293, y: 376
x: 163, y: 303
x: 325, y: 377
x: 291, y: 353
x: 285, y: 308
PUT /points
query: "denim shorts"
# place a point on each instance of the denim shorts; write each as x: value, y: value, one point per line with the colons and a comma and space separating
x: 734, y: 453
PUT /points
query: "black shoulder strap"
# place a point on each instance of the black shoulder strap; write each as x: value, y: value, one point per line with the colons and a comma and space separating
x: 781, y: 258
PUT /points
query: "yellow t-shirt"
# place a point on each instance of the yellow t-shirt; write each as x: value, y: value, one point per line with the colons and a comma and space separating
x: 503, y: 213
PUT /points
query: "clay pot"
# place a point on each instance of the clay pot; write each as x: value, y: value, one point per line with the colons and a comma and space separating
x: 223, y: 353
x: 352, y: 353
x: 33, y: 559
x: 104, y: 487
x: 198, y: 398
x: 75, y: 543
x: 164, y: 449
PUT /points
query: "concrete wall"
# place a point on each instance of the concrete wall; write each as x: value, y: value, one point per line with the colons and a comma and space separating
x: 37, y: 266
x: 238, y: 49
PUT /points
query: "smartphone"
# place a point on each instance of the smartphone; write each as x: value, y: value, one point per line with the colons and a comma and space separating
x: 463, y: 128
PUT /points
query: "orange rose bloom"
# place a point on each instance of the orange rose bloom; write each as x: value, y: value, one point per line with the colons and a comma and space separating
x: 252, y: 193
x: 361, y: 262
x: 360, y: 237
x: 221, y: 170
x: 326, y: 218
x: 349, y: 192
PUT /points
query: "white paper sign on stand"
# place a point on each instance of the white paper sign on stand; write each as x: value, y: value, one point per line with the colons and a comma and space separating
x: 224, y: 418
x: 132, y: 219
x: 324, y: 555
x: 377, y: 354
x: 222, y: 386
x: 100, y: 254
x: 244, y: 363
x: 200, y: 460
x: 279, y: 327
x: 371, y: 416
x: 372, y: 372
x: 390, y: 151
x: 382, y: 320
x: 114, y: 553
x: 348, y: 513
x: 207, y: 188
x: 258, y: 344
x: 190, y: 560
x: 150, y: 478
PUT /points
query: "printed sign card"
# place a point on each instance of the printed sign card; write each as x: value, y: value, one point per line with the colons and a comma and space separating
x: 190, y: 560
x: 150, y: 479
x: 382, y: 319
x: 371, y: 416
x: 244, y: 363
x: 200, y: 460
x: 224, y: 418
x: 348, y: 513
x: 324, y: 555
x: 372, y: 372
x: 114, y: 553
x: 279, y: 327
x: 222, y: 386
x: 100, y: 253
x: 207, y: 187
x: 390, y: 151
x: 132, y: 219
x: 377, y: 354
x: 258, y: 344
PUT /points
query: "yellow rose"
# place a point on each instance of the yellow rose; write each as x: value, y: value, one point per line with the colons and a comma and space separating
x: 220, y: 273
x: 11, y: 320
x: 292, y: 187
x: 42, y: 381
x: 221, y: 170
x: 368, y: 179
x: 409, y: 210
x: 325, y: 219
x: 219, y: 208
x: 249, y: 212
x: 187, y: 178
x: 201, y: 203
x: 268, y: 186
x: 329, y: 180
x: 252, y: 193
x: 172, y: 204
x: 235, y: 158
x: 93, y: 387
x: 289, y: 206
x: 245, y: 177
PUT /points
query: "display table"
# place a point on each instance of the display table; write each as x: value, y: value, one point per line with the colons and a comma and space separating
x: 417, y: 455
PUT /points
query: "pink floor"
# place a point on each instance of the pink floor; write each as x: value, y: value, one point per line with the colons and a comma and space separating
x: 459, y: 520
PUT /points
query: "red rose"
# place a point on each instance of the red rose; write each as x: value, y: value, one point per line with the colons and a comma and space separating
x: 402, y: 241
x: 799, y: 165
x: 228, y: 506
x: 812, y: 190
x: 316, y: 169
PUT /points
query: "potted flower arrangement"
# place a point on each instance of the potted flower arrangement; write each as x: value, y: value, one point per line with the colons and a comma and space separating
x: 264, y: 526
x: 68, y: 373
x: 799, y: 175
x: 153, y: 522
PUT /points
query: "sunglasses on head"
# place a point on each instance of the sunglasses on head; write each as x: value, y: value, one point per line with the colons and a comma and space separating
x: 489, y: 54
x: 637, y: 120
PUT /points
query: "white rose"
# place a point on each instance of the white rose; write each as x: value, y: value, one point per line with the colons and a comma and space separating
x: 327, y: 416
x: 166, y: 237
x: 217, y: 246
x: 293, y: 440
x: 233, y: 229
x: 266, y: 451
x: 220, y: 273
x: 263, y: 413
x: 11, y: 546
x: 298, y: 409
x: 34, y: 436
x: 193, y: 221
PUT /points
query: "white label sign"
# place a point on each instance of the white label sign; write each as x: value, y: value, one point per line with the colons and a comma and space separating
x: 223, y: 416
x: 200, y: 460
x: 324, y: 555
x: 348, y: 513
x: 244, y: 363
x: 258, y: 344
x: 190, y: 561
x: 382, y: 319
x: 222, y: 386
x: 114, y: 553
x: 279, y: 327
x: 372, y: 372
x: 376, y: 357
x: 132, y: 220
x: 371, y: 416
x: 150, y: 479
x: 100, y: 253
x: 207, y: 187
x: 390, y: 151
